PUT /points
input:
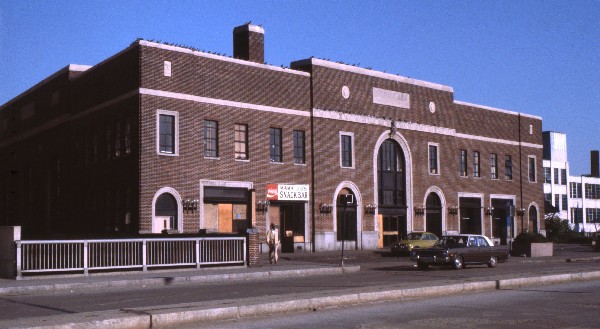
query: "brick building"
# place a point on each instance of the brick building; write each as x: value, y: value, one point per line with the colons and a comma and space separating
x: 168, y: 139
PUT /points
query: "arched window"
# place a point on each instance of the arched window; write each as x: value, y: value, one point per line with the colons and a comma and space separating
x: 165, y: 213
x: 391, y: 190
x: 391, y: 174
x: 533, y: 226
x: 346, y: 215
x: 433, y: 214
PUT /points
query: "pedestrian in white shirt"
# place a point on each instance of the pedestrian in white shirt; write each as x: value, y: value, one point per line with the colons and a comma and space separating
x: 273, y: 243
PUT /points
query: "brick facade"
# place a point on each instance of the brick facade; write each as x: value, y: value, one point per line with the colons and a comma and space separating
x: 102, y: 173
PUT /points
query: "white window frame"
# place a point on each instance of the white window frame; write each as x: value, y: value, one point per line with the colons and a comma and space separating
x: 466, y: 173
x: 437, y: 148
x: 351, y: 135
x: 496, y: 169
x: 176, y: 116
x: 476, y: 168
x: 529, y: 168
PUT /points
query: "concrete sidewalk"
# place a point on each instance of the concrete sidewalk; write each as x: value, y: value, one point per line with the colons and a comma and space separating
x: 290, y: 265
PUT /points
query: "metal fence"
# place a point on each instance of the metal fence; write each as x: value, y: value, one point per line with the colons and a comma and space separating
x: 85, y: 255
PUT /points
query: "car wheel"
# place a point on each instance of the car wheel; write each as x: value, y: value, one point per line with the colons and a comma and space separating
x: 492, y: 262
x: 422, y: 266
x: 458, y: 263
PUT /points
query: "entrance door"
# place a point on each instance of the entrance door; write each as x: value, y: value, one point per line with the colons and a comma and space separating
x: 346, y: 218
x: 394, y: 229
x: 433, y: 214
x: 533, y: 227
x: 470, y: 215
x: 501, y: 219
x: 391, y: 191
x: 292, y: 225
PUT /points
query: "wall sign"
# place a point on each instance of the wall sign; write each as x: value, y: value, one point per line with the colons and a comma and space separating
x: 391, y: 98
x: 283, y: 192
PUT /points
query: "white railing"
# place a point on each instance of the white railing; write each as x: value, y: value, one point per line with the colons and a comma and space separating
x: 84, y: 255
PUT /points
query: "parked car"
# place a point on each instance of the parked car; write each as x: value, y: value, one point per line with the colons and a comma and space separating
x: 460, y: 250
x: 414, y: 240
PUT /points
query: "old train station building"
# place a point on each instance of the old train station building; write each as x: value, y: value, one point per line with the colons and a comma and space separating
x: 162, y: 139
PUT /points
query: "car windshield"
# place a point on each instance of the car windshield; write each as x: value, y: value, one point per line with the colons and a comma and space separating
x: 414, y: 236
x: 452, y: 241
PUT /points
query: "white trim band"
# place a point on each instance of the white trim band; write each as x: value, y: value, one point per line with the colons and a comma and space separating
x: 214, y: 101
x: 333, y: 115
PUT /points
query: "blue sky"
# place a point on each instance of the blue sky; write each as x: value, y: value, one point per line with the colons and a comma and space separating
x: 536, y: 57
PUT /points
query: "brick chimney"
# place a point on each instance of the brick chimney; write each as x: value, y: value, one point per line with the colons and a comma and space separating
x: 595, y: 164
x: 249, y: 43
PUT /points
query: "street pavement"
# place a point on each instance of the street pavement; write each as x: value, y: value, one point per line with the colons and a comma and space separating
x: 320, y: 266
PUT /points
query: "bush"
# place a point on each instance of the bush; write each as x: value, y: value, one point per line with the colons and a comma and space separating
x: 527, y: 237
x: 557, y: 230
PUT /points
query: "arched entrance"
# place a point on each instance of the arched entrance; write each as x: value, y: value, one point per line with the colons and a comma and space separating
x: 533, y: 223
x: 433, y: 214
x: 346, y: 216
x: 391, y: 191
x: 165, y: 213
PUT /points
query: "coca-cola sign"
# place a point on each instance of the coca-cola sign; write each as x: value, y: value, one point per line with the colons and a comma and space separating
x: 287, y: 192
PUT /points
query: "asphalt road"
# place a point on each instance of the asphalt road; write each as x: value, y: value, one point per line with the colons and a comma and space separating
x: 384, y: 272
x: 569, y: 305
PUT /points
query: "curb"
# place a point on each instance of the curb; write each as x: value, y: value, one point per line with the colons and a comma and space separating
x: 165, y: 281
x: 173, y: 315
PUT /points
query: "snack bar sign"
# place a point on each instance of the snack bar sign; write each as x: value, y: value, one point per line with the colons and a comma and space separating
x: 283, y: 192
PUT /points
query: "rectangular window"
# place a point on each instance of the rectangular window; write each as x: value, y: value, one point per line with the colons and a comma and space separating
x: 117, y: 139
x: 575, y: 190
x: 563, y: 177
x: 593, y: 215
x: 592, y: 191
x: 166, y: 134
x: 241, y: 141
x: 508, y: 165
x: 494, y: 166
x: 95, y: 146
x: 565, y: 205
x: 557, y: 201
x: 476, y: 166
x: 108, y: 141
x: 532, y: 170
x: 211, y: 139
x: 127, y: 136
x: 433, y: 159
x: 346, y: 150
x: 275, y: 145
x: 547, y: 175
x: 548, y: 197
x: 556, y: 179
x: 463, y: 163
x: 299, y: 147
x: 576, y: 215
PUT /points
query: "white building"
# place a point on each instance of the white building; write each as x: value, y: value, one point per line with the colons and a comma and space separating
x: 584, y: 199
x: 576, y: 198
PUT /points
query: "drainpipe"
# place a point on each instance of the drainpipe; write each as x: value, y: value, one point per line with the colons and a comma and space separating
x: 312, y: 165
x: 521, y: 172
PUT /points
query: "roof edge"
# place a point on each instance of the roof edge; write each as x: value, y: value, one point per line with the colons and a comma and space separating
x: 373, y: 73
x: 489, y: 108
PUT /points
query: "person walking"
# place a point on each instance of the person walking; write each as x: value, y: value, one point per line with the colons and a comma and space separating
x: 273, y: 243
